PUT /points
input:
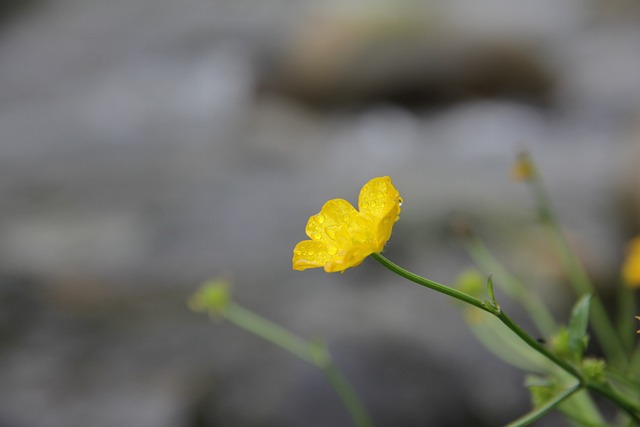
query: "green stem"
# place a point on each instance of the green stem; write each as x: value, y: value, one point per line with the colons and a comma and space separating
x: 506, y: 320
x: 538, y: 312
x: 269, y: 331
x: 347, y: 395
x: 582, y: 412
x: 534, y: 344
x: 602, y: 326
x: 626, y: 310
x: 631, y: 408
x: 543, y: 409
x: 431, y: 284
x: 310, y: 352
x: 531, y: 302
x: 634, y: 365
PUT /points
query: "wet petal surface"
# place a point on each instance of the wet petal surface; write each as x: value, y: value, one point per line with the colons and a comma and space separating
x: 342, y: 237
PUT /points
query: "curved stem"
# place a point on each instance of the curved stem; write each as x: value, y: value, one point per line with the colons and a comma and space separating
x: 602, y: 326
x: 576, y: 273
x: 310, y: 352
x: 347, y: 395
x: 534, y: 344
x: 269, y: 331
x: 511, y: 285
x: 603, y: 389
x: 631, y: 408
x: 534, y: 415
x: 431, y: 284
x: 506, y: 320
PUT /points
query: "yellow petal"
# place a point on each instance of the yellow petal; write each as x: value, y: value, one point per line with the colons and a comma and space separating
x: 380, y: 200
x: 342, y: 237
x: 631, y: 266
x: 523, y: 169
x: 347, y: 258
x: 311, y: 254
x: 334, y: 217
x: 378, y: 197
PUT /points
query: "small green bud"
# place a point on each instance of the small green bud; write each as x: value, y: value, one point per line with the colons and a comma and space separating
x: 212, y: 297
x: 559, y: 343
x: 471, y: 282
x: 593, y: 369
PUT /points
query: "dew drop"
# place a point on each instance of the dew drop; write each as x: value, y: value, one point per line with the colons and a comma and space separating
x: 400, y: 201
x: 320, y: 219
x: 332, y: 250
x: 316, y: 235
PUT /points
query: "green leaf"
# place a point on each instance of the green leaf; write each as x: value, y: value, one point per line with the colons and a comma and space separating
x: 578, y: 326
x: 504, y: 343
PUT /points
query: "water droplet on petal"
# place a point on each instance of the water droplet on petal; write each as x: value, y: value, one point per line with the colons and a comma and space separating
x: 316, y: 235
x: 320, y: 219
x: 332, y: 250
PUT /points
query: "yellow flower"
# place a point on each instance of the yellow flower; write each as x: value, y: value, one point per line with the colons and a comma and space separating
x: 342, y: 237
x: 631, y: 266
x: 523, y: 168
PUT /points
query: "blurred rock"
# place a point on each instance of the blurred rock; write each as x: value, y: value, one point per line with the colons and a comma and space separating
x: 396, y: 54
x: 135, y: 162
x: 18, y: 303
x: 11, y: 10
x: 629, y: 185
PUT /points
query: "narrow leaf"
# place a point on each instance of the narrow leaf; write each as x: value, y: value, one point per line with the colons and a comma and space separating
x: 578, y: 326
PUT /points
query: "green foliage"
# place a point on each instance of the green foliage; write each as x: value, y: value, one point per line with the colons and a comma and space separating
x: 213, y: 297
x: 542, y: 389
x: 470, y: 281
x: 559, y: 344
x: 594, y: 369
x: 565, y: 379
x: 577, y: 332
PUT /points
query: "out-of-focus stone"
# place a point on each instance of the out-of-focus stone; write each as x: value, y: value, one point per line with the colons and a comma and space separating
x: 359, y: 56
x: 630, y: 180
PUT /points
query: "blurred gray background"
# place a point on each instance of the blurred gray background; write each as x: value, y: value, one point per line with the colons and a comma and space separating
x: 148, y: 145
